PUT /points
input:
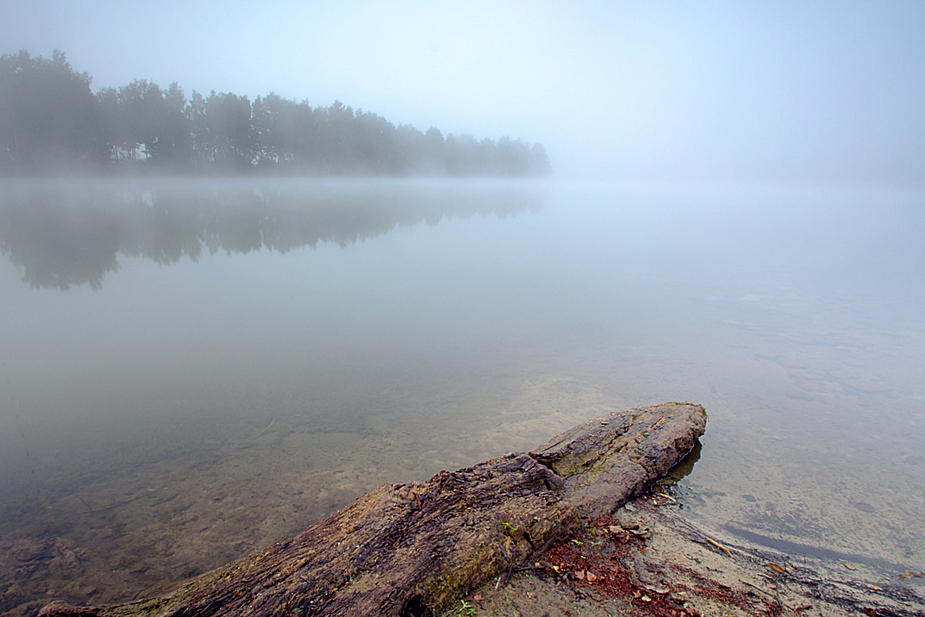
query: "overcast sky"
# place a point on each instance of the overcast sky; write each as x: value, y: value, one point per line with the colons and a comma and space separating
x: 687, y: 91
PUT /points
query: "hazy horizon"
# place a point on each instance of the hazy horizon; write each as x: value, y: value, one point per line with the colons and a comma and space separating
x: 718, y: 92
x: 197, y: 368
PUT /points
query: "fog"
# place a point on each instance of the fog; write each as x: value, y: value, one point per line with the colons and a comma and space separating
x: 822, y: 92
x: 195, y: 368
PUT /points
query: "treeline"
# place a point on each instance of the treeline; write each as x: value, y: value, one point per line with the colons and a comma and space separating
x: 51, y: 120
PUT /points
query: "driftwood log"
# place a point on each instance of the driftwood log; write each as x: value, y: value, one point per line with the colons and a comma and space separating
x: 413, y: 549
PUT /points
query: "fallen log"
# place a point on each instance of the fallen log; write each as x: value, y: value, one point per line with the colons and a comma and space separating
x: 413, y: 549
x: 609, y: 460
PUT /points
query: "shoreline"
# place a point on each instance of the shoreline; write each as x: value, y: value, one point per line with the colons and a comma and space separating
x: 648, y: 559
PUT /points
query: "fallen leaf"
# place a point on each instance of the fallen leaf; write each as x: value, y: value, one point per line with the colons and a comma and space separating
x: 592, y: 576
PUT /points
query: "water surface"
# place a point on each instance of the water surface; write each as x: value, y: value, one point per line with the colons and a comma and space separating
x: 195, y: 370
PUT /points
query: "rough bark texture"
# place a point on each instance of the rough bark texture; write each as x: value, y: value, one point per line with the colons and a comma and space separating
x: 412, y: 549
x: 607, y: 461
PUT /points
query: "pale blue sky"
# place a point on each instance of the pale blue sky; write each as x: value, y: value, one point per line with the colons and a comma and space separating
x: 701, y: 91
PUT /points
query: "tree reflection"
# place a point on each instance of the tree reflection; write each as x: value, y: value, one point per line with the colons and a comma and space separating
x: 61, y: 235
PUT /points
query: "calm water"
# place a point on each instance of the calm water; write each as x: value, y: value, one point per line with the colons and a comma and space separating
x: 192, y: 371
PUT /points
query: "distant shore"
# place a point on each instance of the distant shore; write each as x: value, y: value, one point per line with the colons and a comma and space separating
x: 53, y: 123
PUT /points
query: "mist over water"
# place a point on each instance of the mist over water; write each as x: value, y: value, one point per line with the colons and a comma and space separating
x: 194, y: 370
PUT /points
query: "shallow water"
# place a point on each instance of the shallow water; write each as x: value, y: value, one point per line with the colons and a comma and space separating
x: 193, y: 371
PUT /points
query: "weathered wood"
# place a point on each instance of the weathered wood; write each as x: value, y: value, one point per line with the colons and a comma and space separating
x: 412, y: 549
x: 607, y: 461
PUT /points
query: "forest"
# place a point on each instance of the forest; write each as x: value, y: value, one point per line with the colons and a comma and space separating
x: 51, y: 121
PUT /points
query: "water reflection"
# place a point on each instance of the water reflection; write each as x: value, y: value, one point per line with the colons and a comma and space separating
x: 62, y: 235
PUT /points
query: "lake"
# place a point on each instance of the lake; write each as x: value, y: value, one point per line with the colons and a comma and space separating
x: 194, y: 370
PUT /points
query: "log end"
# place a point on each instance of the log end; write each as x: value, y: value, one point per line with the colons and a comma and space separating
x: 607, y: 461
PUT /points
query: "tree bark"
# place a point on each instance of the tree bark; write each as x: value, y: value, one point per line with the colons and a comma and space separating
x: 413, y: 549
